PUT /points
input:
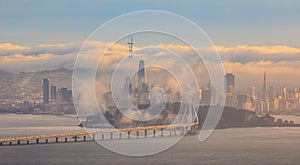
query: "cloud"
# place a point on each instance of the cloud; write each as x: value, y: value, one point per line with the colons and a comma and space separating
x: 278, y: 49
x: 278, y: 73
x: 21, y: 63
x: 237, y: 54
x: 22, y: 58
x: 245, y: 61
x: 245, y: 54
x: 57, y: 49
x: 5, y: 47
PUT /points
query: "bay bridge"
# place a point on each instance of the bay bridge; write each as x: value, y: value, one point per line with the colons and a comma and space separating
x: 186, y: 124
x: 107, y: 134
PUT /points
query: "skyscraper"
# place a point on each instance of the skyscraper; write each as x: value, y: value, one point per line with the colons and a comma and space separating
x: 229, y: 90
x: 265, y: 89
x: 251, y: 92
x: 264, y: 95
x: 143, y: 93
x: 141, y: 76
x: 128, y: 86
x: 66, y: 94
x: 272, y: 92
x: 45, y: 91
x: 205, y: 96
x: 53, y: 94
x: 229, y: 83
x: 243, y: 102
x: 284, y: 93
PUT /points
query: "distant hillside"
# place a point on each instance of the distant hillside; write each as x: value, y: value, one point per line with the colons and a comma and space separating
x: 232, y: 117
x: 27, y: 86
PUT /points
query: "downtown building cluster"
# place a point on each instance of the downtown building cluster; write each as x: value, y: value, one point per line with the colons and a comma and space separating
x: 56, y: 100
x: 266, y: 100
x: 139, y: 96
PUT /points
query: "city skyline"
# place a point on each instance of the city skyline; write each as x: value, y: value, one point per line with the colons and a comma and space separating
x: 150, y: 82
x: 264, y: 100
x: 249, y: 44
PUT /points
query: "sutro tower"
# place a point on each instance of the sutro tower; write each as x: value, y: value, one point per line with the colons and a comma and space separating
x: 130, y: 43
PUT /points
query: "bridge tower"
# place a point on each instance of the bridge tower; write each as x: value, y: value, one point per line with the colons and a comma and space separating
x: 190, y: 116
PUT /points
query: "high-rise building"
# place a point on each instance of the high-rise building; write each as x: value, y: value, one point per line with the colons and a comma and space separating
x: 251, y: 92
x: 45, y: 91
x: 229, y: 90
x: 53, y: 94
x: 274, y: 104
x: 264, y: 95
x: 229, y: 83
x: 110, y: 104
x: 141, y: 75
x: 205, y: 96
x: 143, y: 92
x: 66, y: 94
x: 208, y: 96
x: 252, y: 97
x: 272, y: 92
x: 128, y: 86
x: 243, y: 102
x: 284, y: 93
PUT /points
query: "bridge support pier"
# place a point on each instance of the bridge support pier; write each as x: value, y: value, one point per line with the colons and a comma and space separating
x: 192, y: 130
x: 195, y: 129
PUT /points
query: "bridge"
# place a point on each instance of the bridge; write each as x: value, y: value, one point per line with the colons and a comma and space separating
x: 148, y: 131
x: 186, y: 124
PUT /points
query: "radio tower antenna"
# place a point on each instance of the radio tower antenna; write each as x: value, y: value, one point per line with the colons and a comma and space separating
x: 130, y: 43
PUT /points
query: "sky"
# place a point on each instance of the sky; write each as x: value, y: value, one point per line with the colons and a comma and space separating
x: 228, y: 22
x: 252, y: 36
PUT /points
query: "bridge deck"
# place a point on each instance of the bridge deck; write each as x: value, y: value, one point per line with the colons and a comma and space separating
x: 93, y: 132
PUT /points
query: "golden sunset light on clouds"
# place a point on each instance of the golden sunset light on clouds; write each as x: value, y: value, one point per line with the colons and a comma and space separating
x: 248, y: 62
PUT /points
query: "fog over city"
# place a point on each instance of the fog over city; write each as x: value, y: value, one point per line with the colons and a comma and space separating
x: 246, y: 62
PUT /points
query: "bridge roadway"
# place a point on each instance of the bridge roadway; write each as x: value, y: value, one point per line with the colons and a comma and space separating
x: 185, y: 127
